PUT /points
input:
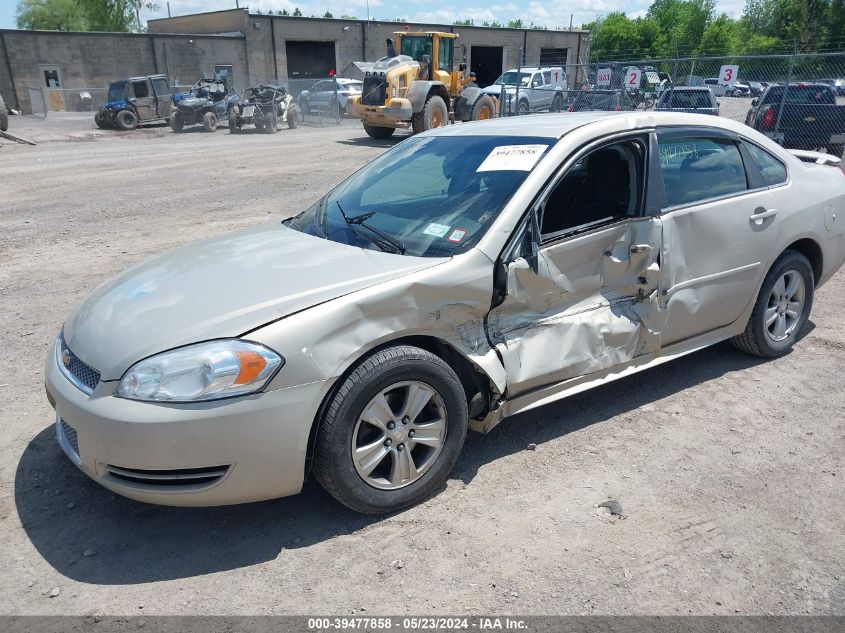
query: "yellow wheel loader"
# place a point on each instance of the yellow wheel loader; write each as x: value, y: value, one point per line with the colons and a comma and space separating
x: 419, y: 88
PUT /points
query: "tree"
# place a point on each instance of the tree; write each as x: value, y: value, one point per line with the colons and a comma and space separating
x: 516, y: 24
x: 348, y: 17
x: 467, y: 22
x: 51, y: 15
x: 720, y: 37
x: 297, y: 13
x: 328, y: 14
x: 82, y: 15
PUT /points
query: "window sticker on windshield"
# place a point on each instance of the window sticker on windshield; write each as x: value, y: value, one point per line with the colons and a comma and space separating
x: 512, y: 158
x: 457, y: 235
x: 437, y: 230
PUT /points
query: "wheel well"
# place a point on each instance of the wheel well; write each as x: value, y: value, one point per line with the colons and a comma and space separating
x: 476, y: 385
x: 812, y: 251
x: 440, y: 91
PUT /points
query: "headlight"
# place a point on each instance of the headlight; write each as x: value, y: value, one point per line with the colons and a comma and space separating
x: 206, y: 371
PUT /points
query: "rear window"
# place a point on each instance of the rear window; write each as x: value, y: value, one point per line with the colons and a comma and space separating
x: 808, y: 95
x: 772, y: 170
x: 696, y: 168
x: 690, y: 99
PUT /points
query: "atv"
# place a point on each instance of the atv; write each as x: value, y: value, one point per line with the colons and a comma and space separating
x: 265, y: 107
x: 207, y: 103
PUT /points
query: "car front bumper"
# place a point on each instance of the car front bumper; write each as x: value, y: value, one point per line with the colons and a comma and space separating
x: 221, y: 452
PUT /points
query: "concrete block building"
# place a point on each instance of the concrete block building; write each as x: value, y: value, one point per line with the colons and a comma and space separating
x: 249, y: 49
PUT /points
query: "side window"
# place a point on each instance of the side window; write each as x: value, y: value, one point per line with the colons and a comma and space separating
x: 547, y: 77
x: 161, y: 86
x: 140, y: 89
x: 537, y: 80
x: 772, y: 170
x: 444, y: 57
x: 699, y: 168
x: 603, y: 187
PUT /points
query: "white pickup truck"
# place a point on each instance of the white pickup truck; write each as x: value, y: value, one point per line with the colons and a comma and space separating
x: 530, y: 89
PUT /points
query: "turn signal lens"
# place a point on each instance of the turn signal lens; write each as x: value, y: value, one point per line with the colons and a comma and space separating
x: 206, y: 371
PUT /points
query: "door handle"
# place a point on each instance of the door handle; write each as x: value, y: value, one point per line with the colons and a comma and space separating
x: 640, y: 248
x: 761, y: 214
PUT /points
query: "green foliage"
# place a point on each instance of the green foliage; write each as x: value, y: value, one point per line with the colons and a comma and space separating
x: 348, y: 17
x: 328, y: 14
x: 516, y: 24
x: 81, y: 15
x: 467, y: 22
x: 297, y: 13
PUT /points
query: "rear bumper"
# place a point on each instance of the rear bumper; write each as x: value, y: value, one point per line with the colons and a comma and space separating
x: 215, y: 453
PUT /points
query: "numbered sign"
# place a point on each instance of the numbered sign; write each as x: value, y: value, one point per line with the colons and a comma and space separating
x: 728, y: 74
x: 633, y: 76
x: 603, y: 77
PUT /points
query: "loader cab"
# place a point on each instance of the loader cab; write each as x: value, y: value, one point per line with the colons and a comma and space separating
x: 436, y: 48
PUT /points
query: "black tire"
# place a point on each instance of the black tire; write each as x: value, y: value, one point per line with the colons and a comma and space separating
x: 177, y: 123
x: 259, y: 126
x: 434, y: 114
x: 333, y: 464
x: 557, y: 103
x: 209, y: 122
x: 271, y: 125
x: 379, y: 132
x: 126, y: 120
x: 755, y: 339
x: 101, y: 123
x: 291, y: 116
x: 4, y: 115
x: 523, y: 108
x: 484, y: 108
x: 306, y: 107
x: 233, y: 123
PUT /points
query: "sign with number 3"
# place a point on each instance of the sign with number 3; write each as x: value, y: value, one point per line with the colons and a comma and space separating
x: 728, y: 74
x: 632, y: 78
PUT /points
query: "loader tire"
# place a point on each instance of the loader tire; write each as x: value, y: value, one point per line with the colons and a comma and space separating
x: 376, y: 131
x: 433, y: 115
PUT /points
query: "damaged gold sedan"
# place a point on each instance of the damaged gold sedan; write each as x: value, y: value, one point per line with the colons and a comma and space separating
x: 468, y: 274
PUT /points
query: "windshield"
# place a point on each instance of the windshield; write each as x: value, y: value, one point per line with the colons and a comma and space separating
x: 416, y: 47
x: 511, y: 78
x: 686, y: 99
x: 435, y: 195
x: 117, y: 91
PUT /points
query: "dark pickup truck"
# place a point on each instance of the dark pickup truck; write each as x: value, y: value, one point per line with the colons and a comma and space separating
x: 810, y: 118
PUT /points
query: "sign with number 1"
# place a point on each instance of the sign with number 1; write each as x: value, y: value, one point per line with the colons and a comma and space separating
x: 632, y: 78
x: 728, y: 74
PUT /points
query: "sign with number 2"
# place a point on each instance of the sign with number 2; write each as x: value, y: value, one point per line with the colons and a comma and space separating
x: 632, y: 78
x: 728, y: 74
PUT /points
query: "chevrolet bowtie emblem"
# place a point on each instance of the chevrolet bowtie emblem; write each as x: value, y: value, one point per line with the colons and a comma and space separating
x: 65, y: 358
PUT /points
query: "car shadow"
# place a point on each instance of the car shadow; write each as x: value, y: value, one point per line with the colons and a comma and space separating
x: 368, y: 141
x: 66, y: 515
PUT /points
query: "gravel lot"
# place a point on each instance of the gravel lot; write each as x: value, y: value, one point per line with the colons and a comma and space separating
x: 729, y: 469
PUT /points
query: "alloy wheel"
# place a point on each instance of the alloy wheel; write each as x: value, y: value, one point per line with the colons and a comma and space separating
x: 785, y: 306
x: 399, y: 435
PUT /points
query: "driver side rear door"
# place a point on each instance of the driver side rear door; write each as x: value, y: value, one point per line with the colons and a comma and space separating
x: 142, y: 98
x: 579, y: 282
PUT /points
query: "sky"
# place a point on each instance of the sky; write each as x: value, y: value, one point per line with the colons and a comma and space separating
x: 549, y: 13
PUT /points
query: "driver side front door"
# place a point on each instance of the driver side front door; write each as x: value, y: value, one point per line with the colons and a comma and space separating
x: 580, y: 281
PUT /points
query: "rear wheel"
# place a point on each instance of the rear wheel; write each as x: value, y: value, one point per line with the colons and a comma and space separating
x: 557, y: 103
x: 271, y: 125
x: 522, y: 109
x: 233, y: 123
x: 177, y: 123
x: 782, y: 308
x: 483, y: 108
x: 291, y: 116
x: 126, y: 120
x: 433, y: 115
x: 4, y: 115
x: 392, y: 431
x: 209, y: 122
x: 379, y: 132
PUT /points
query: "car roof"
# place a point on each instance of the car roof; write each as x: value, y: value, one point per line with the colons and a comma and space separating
x: 558, y: 125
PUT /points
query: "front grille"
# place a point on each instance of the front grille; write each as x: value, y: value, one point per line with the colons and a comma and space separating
x: 374, y: 92
x: 78, y: 372
x: 184, y: 477
x: 68, y: 440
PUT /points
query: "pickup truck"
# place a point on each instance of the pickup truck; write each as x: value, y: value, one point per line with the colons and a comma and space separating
x: 810, y: 119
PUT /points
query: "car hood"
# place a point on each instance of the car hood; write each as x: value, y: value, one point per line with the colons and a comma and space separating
x: 219, y: 288
x: 494, y: 89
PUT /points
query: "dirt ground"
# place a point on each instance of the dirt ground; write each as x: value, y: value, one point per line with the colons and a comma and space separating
x: 729, y: 469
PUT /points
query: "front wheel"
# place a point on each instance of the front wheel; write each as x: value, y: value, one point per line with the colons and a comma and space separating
x: 209, y: 122
x: 376, y: 131
x: 233, y: 123
x: 177, y: 123
x: 782, y: 308
x: 392, y: 432
x: 291, y: 116
x: 126, y: 120
x: 434, y: 114
x: 522, y: 109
